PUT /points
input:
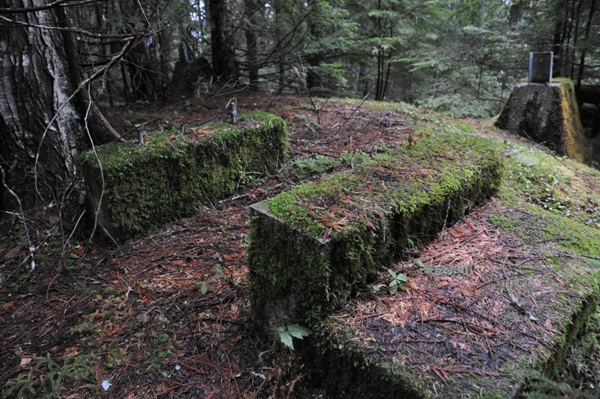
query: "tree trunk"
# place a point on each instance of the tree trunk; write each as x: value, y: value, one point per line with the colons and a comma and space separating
x: 223, y: 56
x: 558, y: 40
x: 41, y: 130
x: 588, y: 27
x: 252, y: 7
x: 576, y: 36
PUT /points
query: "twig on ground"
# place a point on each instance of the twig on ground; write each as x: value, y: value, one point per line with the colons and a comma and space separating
x: 513, y: 300
x: 302, y: 79
x: 353, y: 112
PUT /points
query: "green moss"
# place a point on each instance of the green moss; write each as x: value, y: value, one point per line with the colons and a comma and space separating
x: 138, y: 187
x: 144, y: 186
x: 385, y: 182
x: 463, y: 127
x: 573, y: 130
x: 553, y: 186
x: 312, y: 246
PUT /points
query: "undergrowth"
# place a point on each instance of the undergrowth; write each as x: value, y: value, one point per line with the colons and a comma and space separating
x: 47, y: 377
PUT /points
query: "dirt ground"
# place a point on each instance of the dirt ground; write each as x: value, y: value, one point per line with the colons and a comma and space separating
x: 164, y: 316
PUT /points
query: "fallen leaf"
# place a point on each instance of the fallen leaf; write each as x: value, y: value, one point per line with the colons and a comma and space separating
x: 25, y: 361
x: 234, y: 312
x: 234, y: 256
x: 11, y: 253
x: 236, y: 339
x: 559, y: 281
x: 440, y: 373
x: 72, y: 351
x: 548, y: 325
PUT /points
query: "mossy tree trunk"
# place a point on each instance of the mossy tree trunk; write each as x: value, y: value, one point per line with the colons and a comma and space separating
x: 41, y: 127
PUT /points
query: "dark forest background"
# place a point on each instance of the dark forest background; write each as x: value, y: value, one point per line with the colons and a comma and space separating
x: 64, y: 58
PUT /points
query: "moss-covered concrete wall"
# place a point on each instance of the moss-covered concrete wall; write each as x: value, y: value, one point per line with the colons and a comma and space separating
x: 135, y: 188
x: 548, y: 114
x: 313, y: 246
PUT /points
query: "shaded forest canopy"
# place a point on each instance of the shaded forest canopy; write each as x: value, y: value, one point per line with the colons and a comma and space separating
x: 460, y: 57
x: 457, y: 57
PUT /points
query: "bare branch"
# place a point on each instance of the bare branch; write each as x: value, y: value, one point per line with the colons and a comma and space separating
x: 73, y: 30
x: 99, y: 205
x: 81, y: 86
x: 58, y: 3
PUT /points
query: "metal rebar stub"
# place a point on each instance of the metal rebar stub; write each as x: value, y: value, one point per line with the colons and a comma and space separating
x: 140, y: 130
x: 232, y: 106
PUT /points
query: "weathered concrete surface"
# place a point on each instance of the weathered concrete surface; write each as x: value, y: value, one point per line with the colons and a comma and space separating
x: 132, y: 189
x: 311, y: 247
x: 454, y: 332
x: 547, y: 114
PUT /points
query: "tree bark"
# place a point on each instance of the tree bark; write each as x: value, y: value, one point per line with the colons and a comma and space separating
x: 252, y: 8
x: 41, y: 128
x: 223, y: 56
x: 588, y: 27
x: 558, y: 40
x: 576, y: 36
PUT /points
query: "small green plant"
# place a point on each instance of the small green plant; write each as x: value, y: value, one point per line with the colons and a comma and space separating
x: 21, y: 386
x: 398, y: 280
x: 54, y: 374
x: 203, y: 287
x: 539, y: 386
x: 383, y: 147
x: 294, y: 330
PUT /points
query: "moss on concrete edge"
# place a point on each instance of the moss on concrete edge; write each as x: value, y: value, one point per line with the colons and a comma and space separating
x: 310, y: 248
x: 138, y: 188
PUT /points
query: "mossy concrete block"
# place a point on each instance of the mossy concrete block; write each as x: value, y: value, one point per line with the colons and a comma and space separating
x: 447, y: 351
x: 134, y: 188
x: 311, y: 247
x: 546, y: 113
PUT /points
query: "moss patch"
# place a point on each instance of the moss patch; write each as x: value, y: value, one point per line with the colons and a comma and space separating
x: 313, y: 246
x: 138, y: 188
x: 556, y: 189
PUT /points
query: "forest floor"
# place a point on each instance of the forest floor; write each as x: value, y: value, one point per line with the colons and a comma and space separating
x: 166, y: 316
